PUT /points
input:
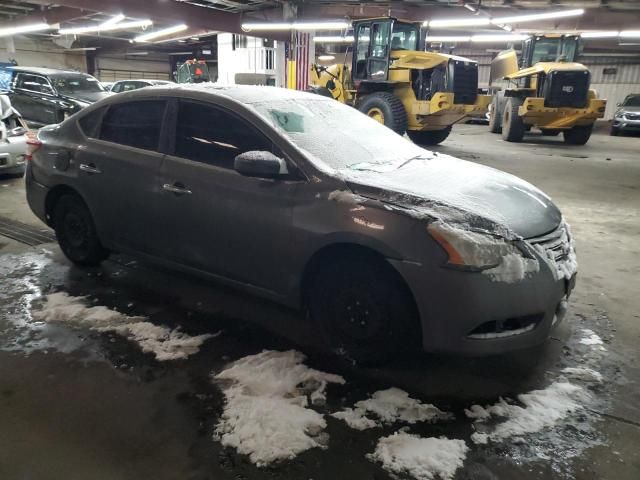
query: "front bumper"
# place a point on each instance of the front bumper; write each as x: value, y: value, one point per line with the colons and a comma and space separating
x: 624, y: 124
x: 453, y: 304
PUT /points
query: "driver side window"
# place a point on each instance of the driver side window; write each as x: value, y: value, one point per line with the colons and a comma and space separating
x: 214, y: 136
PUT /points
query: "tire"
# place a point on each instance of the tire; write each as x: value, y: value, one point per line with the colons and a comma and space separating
x: 76, y: 232
x: 429, y: 137
x: 363, y: 309
x: 614, y: 132
x: 390, y: 107
x: 578, y: 135
x: 495, y: 119
x: 512, y: 127
x: 550, y: 132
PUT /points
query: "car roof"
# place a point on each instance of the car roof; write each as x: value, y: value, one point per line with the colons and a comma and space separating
x: 44, y: 71
x: 247, y: 94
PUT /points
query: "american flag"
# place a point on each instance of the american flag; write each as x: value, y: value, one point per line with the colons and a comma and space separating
x: 301, y: 52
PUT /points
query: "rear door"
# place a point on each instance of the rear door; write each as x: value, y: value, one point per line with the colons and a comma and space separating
x: 119, y: 170
x: 35, y: 99
x: 222, y: 222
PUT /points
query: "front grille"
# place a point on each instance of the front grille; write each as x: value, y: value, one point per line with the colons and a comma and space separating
x: 566, y: 89
x: 556, y: 243
x: 463, y: 81
x: 632, y: 116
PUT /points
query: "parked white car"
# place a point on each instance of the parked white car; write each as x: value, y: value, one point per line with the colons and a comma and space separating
x: 13, y: 139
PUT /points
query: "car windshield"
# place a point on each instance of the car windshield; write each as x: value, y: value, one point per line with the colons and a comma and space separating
x: 632, y: 101
x: 75, y: 83
x: 337, y: 135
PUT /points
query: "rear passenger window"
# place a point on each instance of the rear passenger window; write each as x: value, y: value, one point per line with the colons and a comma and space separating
x: 209, y: 135
x: 90, y: 123
x: 136, y: 124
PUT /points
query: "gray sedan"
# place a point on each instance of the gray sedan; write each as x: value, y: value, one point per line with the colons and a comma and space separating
x: 307, y: 202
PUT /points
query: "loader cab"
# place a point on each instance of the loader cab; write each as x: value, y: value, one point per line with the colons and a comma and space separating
x: 374, y: 39
x: 549, y: 48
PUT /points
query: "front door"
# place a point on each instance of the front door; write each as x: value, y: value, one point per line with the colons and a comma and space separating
x: 120, y: 170
x: 222, y: 222
x: 378, y: 63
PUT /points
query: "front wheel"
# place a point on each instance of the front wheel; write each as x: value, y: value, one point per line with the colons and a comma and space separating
x: 578, y: 135
x: 614, y: 132
x: 495, y: 118
x: 363, y: 309
x: 429, y: 137
x: 385, y: 108
x: 76, y: 232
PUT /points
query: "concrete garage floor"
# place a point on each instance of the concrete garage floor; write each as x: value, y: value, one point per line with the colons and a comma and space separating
x: 77, y: 404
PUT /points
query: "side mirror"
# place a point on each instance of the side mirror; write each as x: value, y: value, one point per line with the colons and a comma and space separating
x: 259, y: 164
x: 17, y: 132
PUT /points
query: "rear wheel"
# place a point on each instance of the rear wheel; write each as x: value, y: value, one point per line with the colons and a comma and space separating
x: 363, y: 309
x: 550, y: 132
x: 578, y: 135
x: 429, y: 137
x: 512, y: 127
x: 387, y: 109
x: 76, y: 232
x: 495, y: 119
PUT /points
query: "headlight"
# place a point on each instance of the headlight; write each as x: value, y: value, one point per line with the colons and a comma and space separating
x: 471, y: 250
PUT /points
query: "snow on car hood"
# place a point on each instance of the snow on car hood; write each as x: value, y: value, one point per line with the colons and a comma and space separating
x: 444, y: 186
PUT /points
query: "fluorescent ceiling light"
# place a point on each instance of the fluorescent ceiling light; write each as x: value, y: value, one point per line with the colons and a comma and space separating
x: 333, y: 39
x: 630, y: 34
x: 458, y: 22
x: 107, y: 28
x: 296, y: 26
x: 160, y: 33
x: 498, y: 38
x: 113, y: 20
x: 447, y: 38
x: 182, y: 53
x: 326, y: 58
x: 602, y: 34
x: 34, y: 27
x: 538, y: 16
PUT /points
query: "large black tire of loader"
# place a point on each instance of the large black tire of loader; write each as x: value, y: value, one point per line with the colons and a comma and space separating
x: 495, y: 119
x: 578, y: 135
x: 395, y: 116
x: 429, y: 137
x: 512, y: 127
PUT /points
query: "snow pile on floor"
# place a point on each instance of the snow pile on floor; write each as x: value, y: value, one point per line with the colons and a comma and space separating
x: 165, y: 343
x: 583, y: 374
x: 540, y: 409
x: 589, y: 337
x: 421, y: 458
x: 266, y: 415
x: 389, y: 406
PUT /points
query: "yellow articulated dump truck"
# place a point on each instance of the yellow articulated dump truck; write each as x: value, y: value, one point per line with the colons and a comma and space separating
x: 394, y: 81
x: 546, y: 90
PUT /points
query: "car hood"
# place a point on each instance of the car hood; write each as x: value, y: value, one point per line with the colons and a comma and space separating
x: 87, y: 97
x: 629, y: 109
x: 456, y: 190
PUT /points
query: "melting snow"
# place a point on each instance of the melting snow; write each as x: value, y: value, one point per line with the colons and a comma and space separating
x: 388, y: 406
x: 513, y: 268
x: 421, y: 458
x: 165, y: 343
x: 589, y: 337
x: 266, y: 415
x: 540, y: 409
x: 584, y: 374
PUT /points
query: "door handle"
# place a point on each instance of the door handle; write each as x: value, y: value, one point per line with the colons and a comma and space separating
x: 177, y: 188
x: 89, y: 168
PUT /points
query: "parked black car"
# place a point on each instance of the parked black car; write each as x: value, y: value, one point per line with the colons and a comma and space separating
x: 44, y: 96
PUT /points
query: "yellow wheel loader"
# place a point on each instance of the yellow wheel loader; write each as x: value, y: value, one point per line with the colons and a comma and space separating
x: 547, y: 90
x: 394, y: 82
